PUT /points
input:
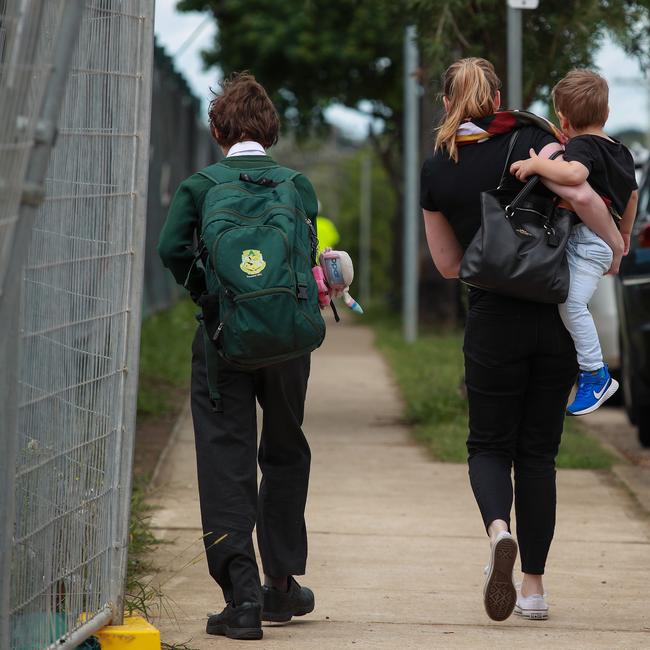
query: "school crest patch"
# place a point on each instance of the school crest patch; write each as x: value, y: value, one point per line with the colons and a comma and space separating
x: 252, y: 262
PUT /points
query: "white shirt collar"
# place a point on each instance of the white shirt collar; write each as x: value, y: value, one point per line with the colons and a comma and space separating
x: 246, y: 148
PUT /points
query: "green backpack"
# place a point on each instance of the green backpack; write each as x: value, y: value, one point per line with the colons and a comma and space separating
x: 257, y: 247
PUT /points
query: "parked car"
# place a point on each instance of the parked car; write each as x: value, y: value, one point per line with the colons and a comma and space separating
x: 632, y: 289
x: 604, y: 309
x: 603, y: 305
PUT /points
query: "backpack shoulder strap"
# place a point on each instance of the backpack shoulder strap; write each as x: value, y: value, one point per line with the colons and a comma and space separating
x: 219, y: 173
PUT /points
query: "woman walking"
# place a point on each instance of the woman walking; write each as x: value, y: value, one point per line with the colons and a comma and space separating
x: 520, y: 363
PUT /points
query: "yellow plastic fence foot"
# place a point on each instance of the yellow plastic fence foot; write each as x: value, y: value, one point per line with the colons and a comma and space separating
x: 135, y: 634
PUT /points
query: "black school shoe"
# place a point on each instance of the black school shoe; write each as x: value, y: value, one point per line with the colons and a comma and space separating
x: 281, y: 606
x: 240, y: 622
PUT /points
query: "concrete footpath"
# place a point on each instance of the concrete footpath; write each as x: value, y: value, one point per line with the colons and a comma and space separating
x: 396, y: 544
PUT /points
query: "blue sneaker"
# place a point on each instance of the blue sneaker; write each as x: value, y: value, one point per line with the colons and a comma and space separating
x: 594, y: 388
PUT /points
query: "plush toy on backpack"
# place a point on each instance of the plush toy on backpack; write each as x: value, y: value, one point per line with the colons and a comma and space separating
x: 333, y: 276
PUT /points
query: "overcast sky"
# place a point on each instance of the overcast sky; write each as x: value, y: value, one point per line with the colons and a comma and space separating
x: 629, y: 92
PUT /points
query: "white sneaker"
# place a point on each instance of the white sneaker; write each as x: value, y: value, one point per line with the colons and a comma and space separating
x: 532, y: 607
x: 499, y: 593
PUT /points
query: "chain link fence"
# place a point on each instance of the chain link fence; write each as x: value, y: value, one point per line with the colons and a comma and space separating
x: 78, y: 304
x: 180, y: 145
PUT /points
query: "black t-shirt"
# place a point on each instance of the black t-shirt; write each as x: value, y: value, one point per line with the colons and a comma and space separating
x: 455, y: 188
x: 610, y: 165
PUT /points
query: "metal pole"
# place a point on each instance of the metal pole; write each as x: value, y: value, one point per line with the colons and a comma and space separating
x: 411, y: 217
x: 514, y: 58
x: 73, y: 640
x: 10, y: 298
x: 365, y: 217
x: 126, y: 437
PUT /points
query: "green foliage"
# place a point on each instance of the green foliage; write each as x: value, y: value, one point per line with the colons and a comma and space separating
x: 383, y: 203
x: 334, y: 168
x: 558, y: 36
x: 430, y: 375
x: 310, y: 53
x: 165, y: 344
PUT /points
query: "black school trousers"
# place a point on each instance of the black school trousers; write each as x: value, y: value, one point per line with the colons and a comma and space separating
x: 226, y: 453
x: 520, y: 365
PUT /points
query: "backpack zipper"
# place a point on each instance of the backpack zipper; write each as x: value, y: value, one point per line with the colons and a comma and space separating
x: 263, y: 292
x: 288, y: 208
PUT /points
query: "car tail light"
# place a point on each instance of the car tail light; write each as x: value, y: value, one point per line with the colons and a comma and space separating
x: 644, y: 236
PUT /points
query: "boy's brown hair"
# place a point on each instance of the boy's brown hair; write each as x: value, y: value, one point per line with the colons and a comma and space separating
x: 582, y: 96
x: 243, y: 111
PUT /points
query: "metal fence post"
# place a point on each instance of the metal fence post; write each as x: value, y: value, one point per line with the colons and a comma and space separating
x: 11, y: 290
x: 126, y: 438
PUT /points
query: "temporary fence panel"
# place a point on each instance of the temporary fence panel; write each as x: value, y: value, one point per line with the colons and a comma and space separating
x: 36, y: 45
x: 79, y: 344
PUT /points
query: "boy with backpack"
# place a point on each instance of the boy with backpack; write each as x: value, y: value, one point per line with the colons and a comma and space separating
x: 581, y: 104
x: 240, y: 236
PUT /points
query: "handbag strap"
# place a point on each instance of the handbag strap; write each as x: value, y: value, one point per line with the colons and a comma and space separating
x: 506, y: 167
x: 527, y: 188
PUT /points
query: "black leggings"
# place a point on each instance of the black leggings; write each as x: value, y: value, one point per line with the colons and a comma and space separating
x: 520, y: 365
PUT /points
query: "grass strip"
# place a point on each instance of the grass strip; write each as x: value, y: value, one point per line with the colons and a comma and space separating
x: 165, y: 345
x: 429, y: 373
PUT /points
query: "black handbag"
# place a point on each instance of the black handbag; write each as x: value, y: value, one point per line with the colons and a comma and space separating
x: 519, y: 250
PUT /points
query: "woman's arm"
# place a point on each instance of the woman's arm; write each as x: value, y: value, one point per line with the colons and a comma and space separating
x: 590, y: 208
x: 443, y: 245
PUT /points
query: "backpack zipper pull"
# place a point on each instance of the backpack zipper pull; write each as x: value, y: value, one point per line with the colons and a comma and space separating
x: 218, y: 332
x: 313, y: 239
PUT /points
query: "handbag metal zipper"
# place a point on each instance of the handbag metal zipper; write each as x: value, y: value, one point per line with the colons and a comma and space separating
x: 529, y: 210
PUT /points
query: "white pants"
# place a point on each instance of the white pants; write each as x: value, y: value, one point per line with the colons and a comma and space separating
x: 589, y: 258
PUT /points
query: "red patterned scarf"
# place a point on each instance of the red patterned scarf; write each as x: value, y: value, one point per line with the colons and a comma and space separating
x: 483, y: 128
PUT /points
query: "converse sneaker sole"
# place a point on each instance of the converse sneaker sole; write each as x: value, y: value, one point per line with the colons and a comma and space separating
x: 532, y: 614
x: 499, y: 593
x: 612, y: 388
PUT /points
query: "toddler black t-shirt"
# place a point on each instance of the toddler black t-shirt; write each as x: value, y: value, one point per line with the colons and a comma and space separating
x: 610, y: 165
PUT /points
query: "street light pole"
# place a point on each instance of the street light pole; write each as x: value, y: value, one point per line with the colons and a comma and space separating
x: 514, y: 8
x: 365, y: 227
x: 514, y: 58
x: 411, y: 124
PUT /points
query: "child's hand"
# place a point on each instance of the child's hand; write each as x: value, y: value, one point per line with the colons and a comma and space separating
x: 522, y: 169
x: 626, y: 242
